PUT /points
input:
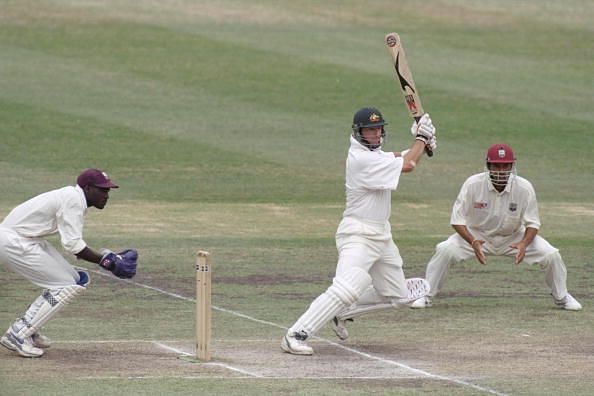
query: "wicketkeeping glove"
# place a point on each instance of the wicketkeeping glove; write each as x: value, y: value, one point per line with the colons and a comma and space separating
x: 122, y: 264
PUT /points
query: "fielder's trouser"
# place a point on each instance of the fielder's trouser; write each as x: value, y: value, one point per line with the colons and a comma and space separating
x: 455, y: 249
x: 38, y: 261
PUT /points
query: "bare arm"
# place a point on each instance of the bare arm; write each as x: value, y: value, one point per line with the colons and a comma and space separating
x: 424, y: 133
x: 477, y: 244
x: 89, y: 255
x: 412, y: 157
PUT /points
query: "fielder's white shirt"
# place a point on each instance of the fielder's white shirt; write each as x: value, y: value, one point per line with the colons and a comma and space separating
x: 60, y: 210
x: 493, y: 215
x: 370, y: 178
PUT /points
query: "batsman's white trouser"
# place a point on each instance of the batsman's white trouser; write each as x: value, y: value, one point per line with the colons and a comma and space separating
x: 455, y: 249
x: 369, y: 267
x: 36, y: 260
x: 344, y: 291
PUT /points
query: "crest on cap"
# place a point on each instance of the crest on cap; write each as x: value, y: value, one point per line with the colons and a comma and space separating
x: 501, y: 152
x: 374, y: 117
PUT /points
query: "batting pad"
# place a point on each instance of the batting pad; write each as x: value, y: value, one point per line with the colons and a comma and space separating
x: 416, y: 288
x: 45, y: 307
x: 343, y: 292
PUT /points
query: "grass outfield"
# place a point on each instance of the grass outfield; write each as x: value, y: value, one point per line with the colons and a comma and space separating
x: 226, y: 124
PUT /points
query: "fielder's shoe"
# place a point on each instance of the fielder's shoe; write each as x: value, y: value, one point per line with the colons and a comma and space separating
x: 23, y: 347
x: 339, y: 327
x: 569, y: 303
x: 423, y: 302
x: 295, y: 343
x: 41, y: 341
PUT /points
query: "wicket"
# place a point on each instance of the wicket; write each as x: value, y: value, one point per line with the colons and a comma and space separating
x: 203, y: 309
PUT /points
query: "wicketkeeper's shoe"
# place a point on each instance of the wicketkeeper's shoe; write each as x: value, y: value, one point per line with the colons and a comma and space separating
x: 339, y: 327
x: 569, y: 303
x: 295, y: 343
x: 23, y: 347
x: 423, y: 302
x: 41, y: 341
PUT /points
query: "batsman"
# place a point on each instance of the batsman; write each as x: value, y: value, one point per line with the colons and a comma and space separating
x: 25, y: 251
x: 369, y: 275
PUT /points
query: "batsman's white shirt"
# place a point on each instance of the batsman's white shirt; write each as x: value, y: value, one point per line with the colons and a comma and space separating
x: 370, y: 178
x: 493, y: 216
x: 22, y: 247
x: 364, y: 237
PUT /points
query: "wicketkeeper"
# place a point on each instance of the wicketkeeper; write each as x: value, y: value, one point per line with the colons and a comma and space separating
x: 369, y: 275
x: 23, y: 250
x: 496, y: 214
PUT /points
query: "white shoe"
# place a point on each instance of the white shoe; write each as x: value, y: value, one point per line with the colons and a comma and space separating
x: 23, y: 347
x: 339, y: 327
x: 423, y: 302
x: 569, y: 303
x: 295, y: 343
x: 41, y: 341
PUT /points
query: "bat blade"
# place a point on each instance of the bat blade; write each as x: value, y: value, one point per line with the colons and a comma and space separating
x: 404, y: 79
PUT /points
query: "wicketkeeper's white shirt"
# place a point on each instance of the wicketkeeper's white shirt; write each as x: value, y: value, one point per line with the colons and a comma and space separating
x: 370, y: 178
x: 493, y: 215
x: 60, y: 210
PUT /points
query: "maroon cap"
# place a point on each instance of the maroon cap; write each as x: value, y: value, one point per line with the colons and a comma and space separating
x: 500, y: 153
x: 95, y: 177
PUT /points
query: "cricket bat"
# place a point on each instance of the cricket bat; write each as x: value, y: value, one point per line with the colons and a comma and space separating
x: 405, y: 79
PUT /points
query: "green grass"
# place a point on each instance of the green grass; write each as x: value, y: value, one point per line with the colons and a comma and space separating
x: 226, y: 124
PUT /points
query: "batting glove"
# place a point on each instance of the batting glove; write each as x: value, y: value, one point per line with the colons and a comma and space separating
x: 424, y: 129
x: 432, y: 144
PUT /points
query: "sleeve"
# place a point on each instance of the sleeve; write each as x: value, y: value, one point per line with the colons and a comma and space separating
x: 531, y: 217
x: 70, y: 219
x: 461, y: 206
x: 377, y: 171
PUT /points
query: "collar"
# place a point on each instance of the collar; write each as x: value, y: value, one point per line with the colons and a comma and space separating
x: 357, y: 145
x: 82, y: 197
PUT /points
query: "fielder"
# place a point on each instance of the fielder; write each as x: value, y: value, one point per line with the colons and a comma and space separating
x: 369, y: 272
x: 496, y: 214
x: 23, y: 250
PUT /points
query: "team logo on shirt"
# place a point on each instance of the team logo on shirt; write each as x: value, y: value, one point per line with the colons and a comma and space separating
x: 513, y: 207
x: 480, y: 205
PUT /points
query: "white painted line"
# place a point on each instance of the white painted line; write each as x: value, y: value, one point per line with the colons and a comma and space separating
x: 354, y: 351
x: 202, y: 377
x: 179, y: 351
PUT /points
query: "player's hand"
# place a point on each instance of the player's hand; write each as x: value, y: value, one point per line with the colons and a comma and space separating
x: 477, y: 246
x: 424, y: 129
x: 122, y: 265
x: 424, y: 120
x: 432, y: 144
x: 521, y: 246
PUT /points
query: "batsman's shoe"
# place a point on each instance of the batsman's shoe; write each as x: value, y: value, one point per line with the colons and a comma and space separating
x: 23, y: 347
x: 41, y: 341
x: 423, y: 302
x: 339, y: 327
x: 569, y: 303
x: 294, y: 343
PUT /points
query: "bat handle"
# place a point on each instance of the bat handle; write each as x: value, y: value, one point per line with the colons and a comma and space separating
x: 428, y: 150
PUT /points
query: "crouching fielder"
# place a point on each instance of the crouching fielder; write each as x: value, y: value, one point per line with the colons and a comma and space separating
x: 23, y: 250
x: 369, y: 273
x: 496, y: 214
